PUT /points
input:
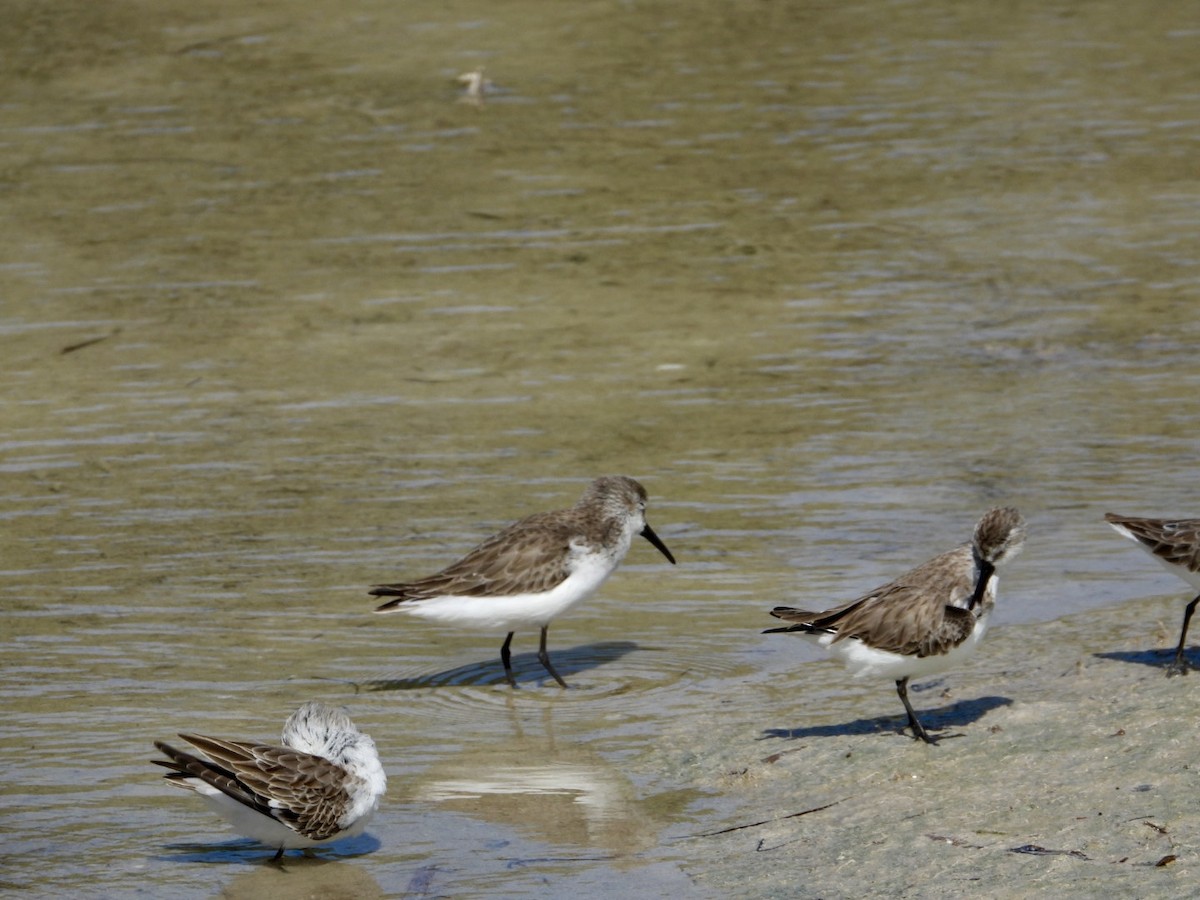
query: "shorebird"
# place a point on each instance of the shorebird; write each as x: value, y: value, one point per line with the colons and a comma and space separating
x: 322, y: 783
x: 925, y: 621
x: 533, y: 570
x: 1176, y: 544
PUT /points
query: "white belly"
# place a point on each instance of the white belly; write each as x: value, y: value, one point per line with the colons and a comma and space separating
x: 253, y: 824
x: 862, y: 660
x: 517, y: 612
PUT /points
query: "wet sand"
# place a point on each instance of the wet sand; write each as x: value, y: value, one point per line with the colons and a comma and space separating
x: 1066, y: 766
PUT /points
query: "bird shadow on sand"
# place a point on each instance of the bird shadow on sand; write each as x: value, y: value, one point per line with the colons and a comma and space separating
x: 1161, y: 658
x: 956, y: 715
x: 526, y: 669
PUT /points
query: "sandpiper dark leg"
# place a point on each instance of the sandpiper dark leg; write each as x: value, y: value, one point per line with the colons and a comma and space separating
x: 917, y: 727
x: 544, y: 658
x: 506, y: 658
x: 1180, y: 666
x: 278, y: 855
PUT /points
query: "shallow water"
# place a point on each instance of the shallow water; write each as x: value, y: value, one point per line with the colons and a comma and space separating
x: 281, y: 318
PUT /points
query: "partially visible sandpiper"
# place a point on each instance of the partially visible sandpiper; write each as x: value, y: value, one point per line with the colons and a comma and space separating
x: 925, y: 621
x: 321, y: 785
x: 1176, y: 544
x: 534, y: 570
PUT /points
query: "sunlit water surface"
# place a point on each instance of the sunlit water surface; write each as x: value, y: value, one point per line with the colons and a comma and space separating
x: 283, y: 317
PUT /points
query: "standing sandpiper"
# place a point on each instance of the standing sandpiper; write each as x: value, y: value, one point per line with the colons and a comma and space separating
x: 925, y: 621
x: 533, y: 570
x: 1176, y: 544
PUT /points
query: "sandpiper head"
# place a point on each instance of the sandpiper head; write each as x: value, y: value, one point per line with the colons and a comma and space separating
x: 328, y: 732
x: 999, y: 535
x: 623, y: 498
x: 618, y: 495
x: 315, y: 726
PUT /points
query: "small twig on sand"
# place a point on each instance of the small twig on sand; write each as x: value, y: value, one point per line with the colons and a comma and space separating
x: 803, y: 812
x: 1035, y: 850
x: 953, y: 841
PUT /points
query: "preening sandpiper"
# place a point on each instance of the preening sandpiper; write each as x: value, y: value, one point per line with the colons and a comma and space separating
x: 1176, y: 544
x: 925, y: 621
x: 533, y: 570
x: 322, y: 783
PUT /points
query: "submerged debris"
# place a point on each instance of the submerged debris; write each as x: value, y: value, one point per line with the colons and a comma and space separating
x: 71, y: 348
x: 476, y: 86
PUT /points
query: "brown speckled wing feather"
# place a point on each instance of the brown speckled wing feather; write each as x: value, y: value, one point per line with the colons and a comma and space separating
x: 912, y: 615
x: 184, y: 766
x: 308, y: 791
x: 1174, y: 540
x: 515, y: 560
x: 956, y: 626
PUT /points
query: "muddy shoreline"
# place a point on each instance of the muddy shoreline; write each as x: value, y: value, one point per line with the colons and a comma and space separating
x: 1065, y: 764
